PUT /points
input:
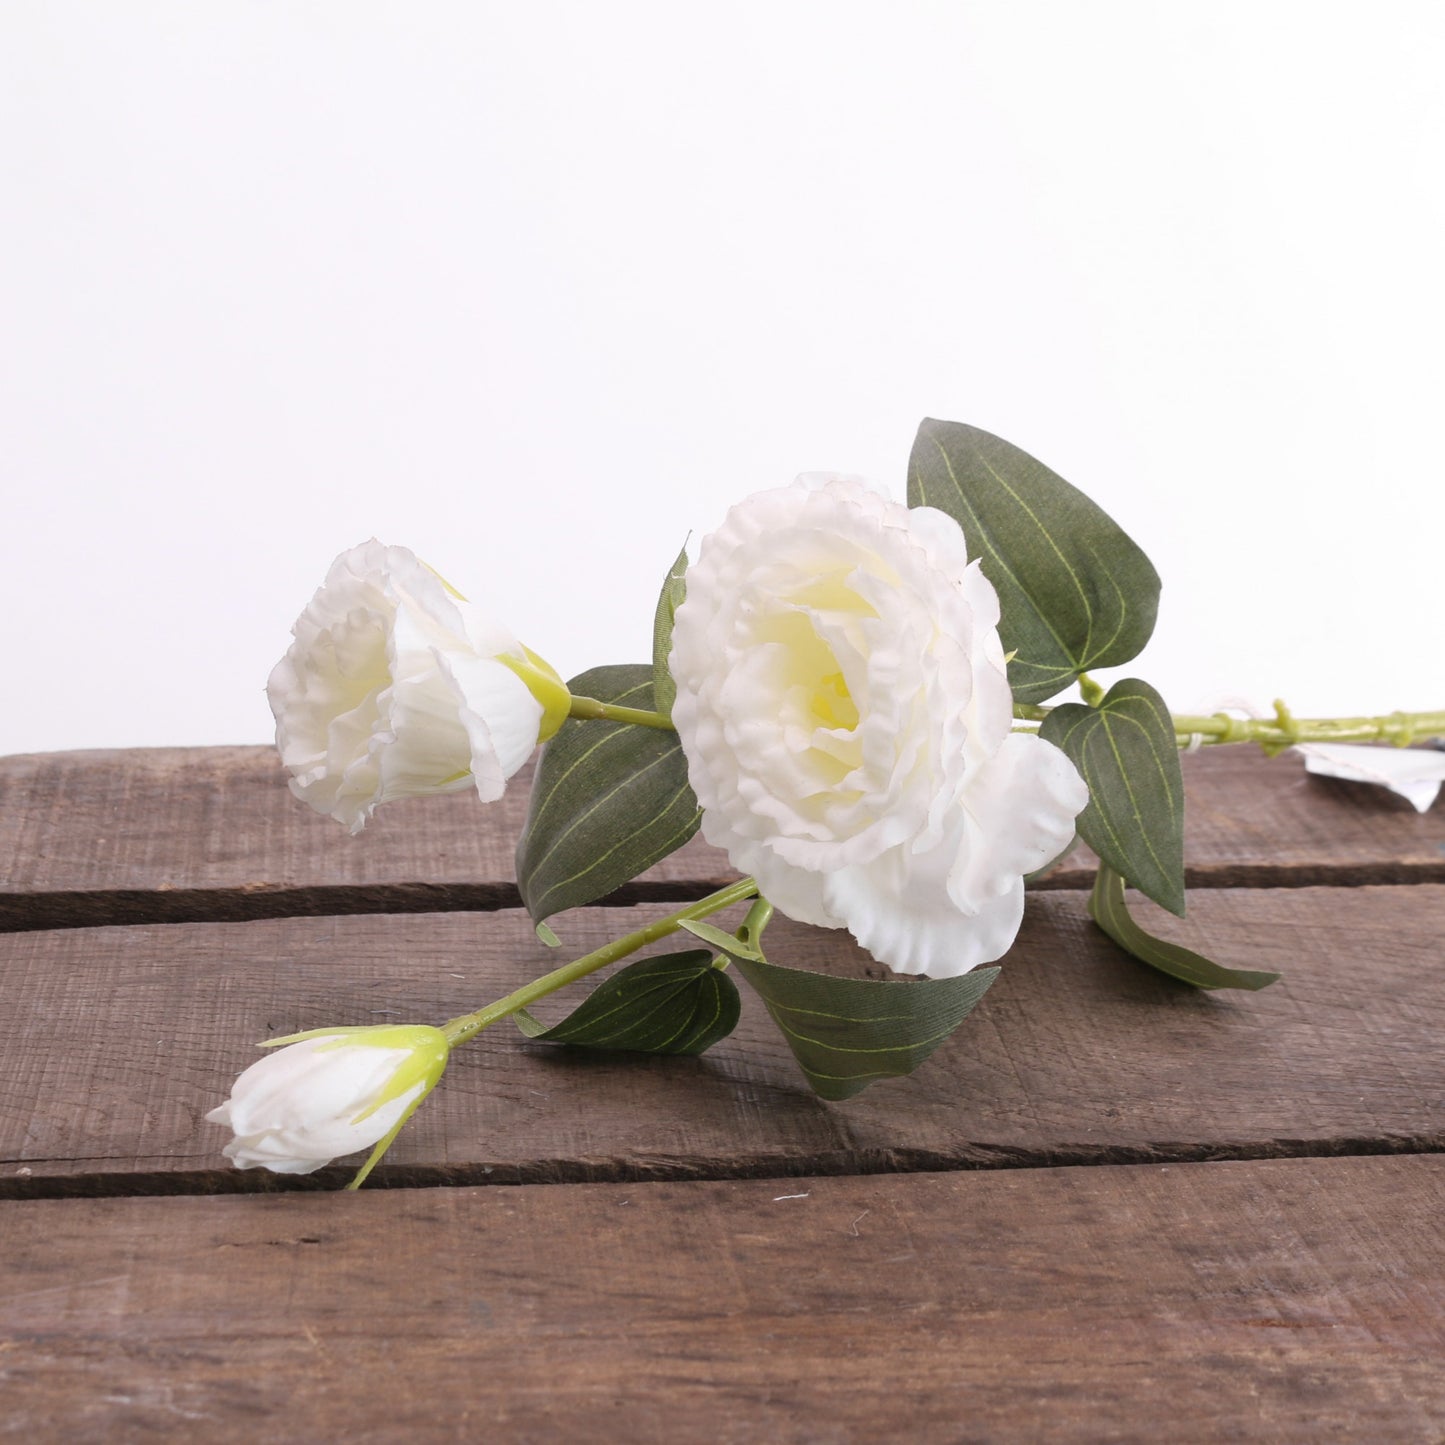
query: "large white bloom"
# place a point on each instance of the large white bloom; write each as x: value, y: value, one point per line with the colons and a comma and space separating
x: 395, y: 687
x: 845, y: 712
x: 328, y: 1093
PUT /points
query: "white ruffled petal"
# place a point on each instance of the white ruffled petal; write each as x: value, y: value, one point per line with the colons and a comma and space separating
x: 796, y: 892
x: 1019, y: 811
x: 499, y: 716
x: 900, y: 910
x: 391, y: 689
x: 843, y: 704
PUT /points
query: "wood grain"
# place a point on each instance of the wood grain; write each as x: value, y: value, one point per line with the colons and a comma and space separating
x: 119, y: 1040
x: 176, y: 834
x: 1288, y: 1301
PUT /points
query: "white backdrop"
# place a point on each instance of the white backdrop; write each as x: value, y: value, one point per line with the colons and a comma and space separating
x: 538, y: 289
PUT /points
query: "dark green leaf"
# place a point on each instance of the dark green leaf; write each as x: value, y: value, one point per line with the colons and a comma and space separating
x: 1126, y: 752
x: 608, y: 801
x: 849, y: 1032
x: 676, y: 1003
x: 1076, y: 592
x: 1108, y: 909
x: 674, y: 590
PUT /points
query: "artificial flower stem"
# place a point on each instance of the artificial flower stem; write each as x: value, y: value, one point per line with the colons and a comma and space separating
x: 589, y: 707
x: 1284, y: 730
x: 749, y: 932
x: 751, y: 929
x: 466, y: 1026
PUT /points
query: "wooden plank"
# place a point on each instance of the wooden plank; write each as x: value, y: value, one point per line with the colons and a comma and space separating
x: 119, y: 1040
x: 175, y: 834
x: 1285, y: 1301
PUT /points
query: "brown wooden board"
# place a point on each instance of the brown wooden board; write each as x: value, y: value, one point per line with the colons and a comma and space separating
x: 1288, y: 1301
x: 171, y: 834
x: 119, y: 1039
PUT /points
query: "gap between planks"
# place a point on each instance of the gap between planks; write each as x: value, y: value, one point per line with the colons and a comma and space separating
x: 570, y: 1172
x: 212, y: 835
x: 125, y: 907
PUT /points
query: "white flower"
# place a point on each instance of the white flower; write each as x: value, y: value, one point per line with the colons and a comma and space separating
x: 329, y: 1092
x: 395, y: 687
x: 1414, y: 773
x: 845, y: 713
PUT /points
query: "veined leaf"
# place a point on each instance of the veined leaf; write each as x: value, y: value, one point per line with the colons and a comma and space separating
x: 848, y: 1033
x: 676, y: 1003
x: 1075, y: 590
x: 1126, y: 752
x: 609, y: 799
x: 674, y: 590
x: 1109, y: 910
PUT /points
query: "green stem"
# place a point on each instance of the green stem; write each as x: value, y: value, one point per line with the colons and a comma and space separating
x: 751, y: 930
x: 590, y: 708
x: 1284, y: 730
x: 466, y: 1026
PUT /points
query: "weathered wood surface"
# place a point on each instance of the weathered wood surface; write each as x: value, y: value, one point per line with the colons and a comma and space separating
x: 1255, y: 1253
x: 172, y: 834
x: 121, y: 1038
x: 1288, y: 1301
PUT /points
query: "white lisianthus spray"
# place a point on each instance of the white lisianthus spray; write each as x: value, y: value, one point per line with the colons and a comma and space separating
x: 328, y: 1093
x: 396, y: 687
x: 845, y: 712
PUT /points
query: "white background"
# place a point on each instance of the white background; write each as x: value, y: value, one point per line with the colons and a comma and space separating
x: 536, y: 289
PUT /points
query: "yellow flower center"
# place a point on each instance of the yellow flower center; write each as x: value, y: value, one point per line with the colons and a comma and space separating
x: 832, y: 704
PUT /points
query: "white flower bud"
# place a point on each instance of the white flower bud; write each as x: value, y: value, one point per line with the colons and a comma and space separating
x: 328, y: 1093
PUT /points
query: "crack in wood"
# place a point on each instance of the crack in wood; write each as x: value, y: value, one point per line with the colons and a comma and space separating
x: 822, y: 1164
x: 126, y: 907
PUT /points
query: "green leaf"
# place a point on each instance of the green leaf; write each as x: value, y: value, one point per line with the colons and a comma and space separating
x: 674, y: 590
x: 849, y: 1032
x: 609, y: 799
x: 1075, y: 590
x: 1109, y: 910
x: 676, y: 1003
x: 1126, y: 752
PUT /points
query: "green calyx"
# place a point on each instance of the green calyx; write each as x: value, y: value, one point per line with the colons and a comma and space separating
x: 545, y: 683
x: 427, y: 1052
